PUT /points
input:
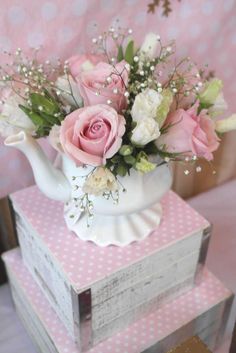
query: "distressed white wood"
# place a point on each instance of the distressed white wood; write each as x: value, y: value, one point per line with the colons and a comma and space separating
x: 206, y: 325
x: 121, y: 297
x: 143, y: 292
x: 117, y: 299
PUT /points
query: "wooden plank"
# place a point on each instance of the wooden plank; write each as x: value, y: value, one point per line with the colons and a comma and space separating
x: 7, y: 225
x: 50, y: 335
x: 233, y: 343
x: 8, y: 239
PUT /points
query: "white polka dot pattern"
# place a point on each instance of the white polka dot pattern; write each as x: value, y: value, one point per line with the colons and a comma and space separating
x: 140, y: 335
x: 84, y: 262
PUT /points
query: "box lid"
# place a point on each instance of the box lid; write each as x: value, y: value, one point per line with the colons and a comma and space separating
x: 84, y: 263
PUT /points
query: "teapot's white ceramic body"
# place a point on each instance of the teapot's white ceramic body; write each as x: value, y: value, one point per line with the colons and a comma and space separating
x: 137, y: 213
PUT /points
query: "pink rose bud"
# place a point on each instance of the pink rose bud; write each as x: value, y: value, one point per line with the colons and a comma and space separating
x: 92, y: 134
x: 79, y: 63
x: 105, y: 84
x: 190, y: 133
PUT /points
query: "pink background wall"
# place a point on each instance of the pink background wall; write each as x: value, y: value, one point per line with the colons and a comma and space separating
x: 204, y: 29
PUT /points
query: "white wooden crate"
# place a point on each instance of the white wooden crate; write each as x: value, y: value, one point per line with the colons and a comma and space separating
x: 97, y: 291
x: 202, y: 311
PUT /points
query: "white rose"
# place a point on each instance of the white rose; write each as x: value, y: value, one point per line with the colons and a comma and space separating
x: 54, y: 138
x: 13, y: 119
x: 149, y: 46
x: 146, y: 104
x: 219, y: 106
x: 146, y: 131
x: 66, y: 86
x: 226, y: 125
x: 100, y: 181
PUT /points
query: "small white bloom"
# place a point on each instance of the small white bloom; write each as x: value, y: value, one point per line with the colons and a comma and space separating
x: 54, y: 138
x: 87, y: 65
x: 149, y: 46
x: 13, y: 119
x: 67, y: 85
x: 100, y: 181
x: 219, y: 106
x: 226, y: 125
x: 146, y: 104
x: 146, y: 131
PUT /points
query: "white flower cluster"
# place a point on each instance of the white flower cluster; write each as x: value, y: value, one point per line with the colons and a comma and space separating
x: 144, y: 113
x: 13, y: 119
x: 100, y: 182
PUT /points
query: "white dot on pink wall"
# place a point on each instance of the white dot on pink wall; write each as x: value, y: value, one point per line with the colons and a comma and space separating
x: 215, y: 27
x: 222, y: 58
x: 233, y: 39
x: 5, y: 43
x: 16, y: 15
x: 228, y: 4
x: 172, y: 32
x: 207, y: 7
x: 130, y: 2
x: 92, y: 28
x: 49, y: 11
x: 201, y: 48
x: 79, y: 7
x: 108, y: 5
x: 185, y: 10
x: 35, y: 39
x: 195, y: 30
x: 141, y: 18
x: 65, y: 34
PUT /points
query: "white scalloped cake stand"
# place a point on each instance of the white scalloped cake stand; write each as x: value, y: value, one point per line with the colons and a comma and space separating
x: 117, y: 230
x: 132, y: 219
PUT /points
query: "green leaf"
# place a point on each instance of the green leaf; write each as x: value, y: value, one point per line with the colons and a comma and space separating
x: 50, y: 119
x: 49, y: 106
x: 129, y: 52
x: 204, y: 106
x: 116, y: 159
x: 130, y: 160
x: 121, y: 170
x: 151, y: 148
x: 120, y: 55
x: 36, y: 118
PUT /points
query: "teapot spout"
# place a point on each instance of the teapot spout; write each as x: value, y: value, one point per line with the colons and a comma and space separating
x: 51, y: 181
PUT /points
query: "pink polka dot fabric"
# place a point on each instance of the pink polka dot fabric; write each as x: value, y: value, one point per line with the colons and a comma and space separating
x: 137, y: 337
x: 84, y: 262
x: 204, y: 29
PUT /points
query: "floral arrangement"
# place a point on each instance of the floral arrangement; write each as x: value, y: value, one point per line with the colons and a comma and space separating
x: 118, y: 108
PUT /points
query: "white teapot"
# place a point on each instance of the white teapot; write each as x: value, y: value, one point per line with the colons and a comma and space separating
x: 137, y: 213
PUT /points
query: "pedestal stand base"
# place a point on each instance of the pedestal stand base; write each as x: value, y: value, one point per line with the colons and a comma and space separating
x: 116, y: 230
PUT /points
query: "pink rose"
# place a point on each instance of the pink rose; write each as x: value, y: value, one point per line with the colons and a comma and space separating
x: 190, y: 133
x: 79, y: 63
x: 90, y: 135
x: 105, y: 83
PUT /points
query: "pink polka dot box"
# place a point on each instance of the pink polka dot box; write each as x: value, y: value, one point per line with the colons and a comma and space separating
x: 198, y: 312
x: 98, y: 291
